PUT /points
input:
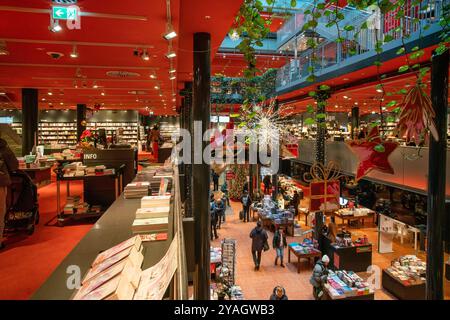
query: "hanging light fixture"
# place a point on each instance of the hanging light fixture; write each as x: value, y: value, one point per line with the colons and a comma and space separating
x: 171, y: 55
x: 3, y: 50
x: 145, y: 55
x: 170, y: 32
x: 74, y: 53
x: 94, y: 85
x: 172, y: 77
x: 54, y: 25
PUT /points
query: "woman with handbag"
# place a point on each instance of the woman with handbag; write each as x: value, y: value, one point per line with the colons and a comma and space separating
x: 8, y: 163
x: 259, y: 243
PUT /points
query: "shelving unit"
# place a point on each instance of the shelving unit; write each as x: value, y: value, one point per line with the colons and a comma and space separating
x: 229, y: 259
x: 130, y: 129
x: 57, y: 133
x: 17, y: 127
x: 167, y: 130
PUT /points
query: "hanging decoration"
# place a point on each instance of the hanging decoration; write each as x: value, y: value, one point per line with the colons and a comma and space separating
x: 417, y: 116
x: 324, y: 186
x: 218, y: 167
x: 373, y: 153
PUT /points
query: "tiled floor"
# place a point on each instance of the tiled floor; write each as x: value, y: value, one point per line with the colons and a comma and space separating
x: 259, y: 284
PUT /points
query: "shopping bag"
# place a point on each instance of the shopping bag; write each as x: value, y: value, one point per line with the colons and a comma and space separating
x: 241, y: 215
x: 266, y: 246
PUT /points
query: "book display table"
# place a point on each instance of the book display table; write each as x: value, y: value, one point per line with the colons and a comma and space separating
x: 41, y: 176
x: 359, y: 215
x: 402, y: 290
x: 302, y: 252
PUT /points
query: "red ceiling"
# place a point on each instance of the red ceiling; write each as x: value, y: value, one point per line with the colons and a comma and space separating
x: 142, y: 24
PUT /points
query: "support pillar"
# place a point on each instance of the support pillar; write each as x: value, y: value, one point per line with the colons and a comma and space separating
x: 30, y: 118
x: 436, y: 179
x: 200, y: 169
x: 81, y: 116
x: 188, y: 169
x: 354, y: 122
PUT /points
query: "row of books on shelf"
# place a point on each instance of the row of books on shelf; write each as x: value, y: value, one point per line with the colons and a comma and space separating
x: 77, y: 169
x: 75, y: 206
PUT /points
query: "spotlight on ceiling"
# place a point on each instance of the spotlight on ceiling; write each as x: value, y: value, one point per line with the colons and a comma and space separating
x: 153, y: 76
x: 54, y: 26
x: 50, y: 93
x: 172, y: 77
x: 145, y: 56
x: 95, y: 86
x: 156, y: 87
x: 171, y: 55
x: 74, y: 53
x: 3, y: 50
x: 172, y: 70
x: 170, y: 34
x: 379, y: 90
x: 102, y: 93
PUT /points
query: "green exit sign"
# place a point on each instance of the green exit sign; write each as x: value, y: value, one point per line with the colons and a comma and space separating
x: 65, y: 13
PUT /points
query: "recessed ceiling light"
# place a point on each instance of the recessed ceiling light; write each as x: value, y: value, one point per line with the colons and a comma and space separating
x: 356, y: 103
x: 145, y: 56
x: 94, y: 85
x: 373, y: 112
x: 379, y: 90
x: 345, y: 97
x: 61, y: 103
x: 172, y: 70
x: 153, y: 76
x: 156, y: 87
x: 43, y: 99
x: 102, y: 93
x: 50, y: 93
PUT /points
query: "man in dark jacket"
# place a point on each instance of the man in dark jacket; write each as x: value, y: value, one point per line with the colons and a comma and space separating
x: 213, y: 213
x: 278, y: 294
x: 266, y: 182
x: 8, y: 163
x: 219, y: 208
x: 246, y: 203
x: 319, y: 277
x: 259, y: 239
x: 215, y: 178
x: 279, y: 243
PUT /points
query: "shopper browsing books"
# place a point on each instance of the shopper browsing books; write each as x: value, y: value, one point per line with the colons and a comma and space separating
x: 279, y: 293
x: 8, y: 163
x: 279, y: 243
x: 319, y: 277
x: 246, y: 202
x: 219, y: 208
x: 259, y: 243
x: 215, y: 178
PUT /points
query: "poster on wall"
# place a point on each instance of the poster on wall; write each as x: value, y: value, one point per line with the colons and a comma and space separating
x: 324, y: 195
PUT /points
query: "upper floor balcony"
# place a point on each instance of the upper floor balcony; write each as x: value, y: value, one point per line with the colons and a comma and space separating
x: 357, y: 50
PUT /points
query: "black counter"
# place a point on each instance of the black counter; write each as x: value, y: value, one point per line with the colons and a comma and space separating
x: 112, y: 228
x: 356, y: 259
x: 400, y: 291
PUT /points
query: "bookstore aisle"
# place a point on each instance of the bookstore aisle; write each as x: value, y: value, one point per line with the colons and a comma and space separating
x: 258, y: 285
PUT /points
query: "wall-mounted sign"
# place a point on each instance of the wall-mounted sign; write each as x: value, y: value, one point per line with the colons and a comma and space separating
x: 65, y: 13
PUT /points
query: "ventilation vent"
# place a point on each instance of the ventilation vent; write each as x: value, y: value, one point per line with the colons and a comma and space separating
x: 65, y: 1
x: 122, y: 74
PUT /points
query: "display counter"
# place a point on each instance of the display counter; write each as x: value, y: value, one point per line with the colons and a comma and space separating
x: 402, y: 291
x: 112, y: 228
x: 356, y: 258
x: 303, y: 251
x: 41, y: 176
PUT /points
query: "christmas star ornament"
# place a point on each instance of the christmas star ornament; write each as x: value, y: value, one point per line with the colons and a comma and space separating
x: 373, y: 154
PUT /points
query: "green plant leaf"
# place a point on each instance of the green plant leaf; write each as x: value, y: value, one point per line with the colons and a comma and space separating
x: 324, y: 87
x: 390, y: 119
x: 349, y: 28
x: 403, y: 68
x: 388, y: 38
x: 293, y: 3
x: 321, y: 116
x: 310, y: 109
x: 401, y: 50
x: 309, y: 121
x: 391, y: 103
x: 379, y: 148
x: 397, y: 110
x: 312, y: 93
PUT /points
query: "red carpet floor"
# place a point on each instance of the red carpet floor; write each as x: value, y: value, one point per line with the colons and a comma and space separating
x: 27, y: 261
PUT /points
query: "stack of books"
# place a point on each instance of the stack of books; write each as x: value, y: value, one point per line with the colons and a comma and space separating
x: 136, y: 190
x: 115, y: 273
x: 155, y: 201
x: 153, y: 215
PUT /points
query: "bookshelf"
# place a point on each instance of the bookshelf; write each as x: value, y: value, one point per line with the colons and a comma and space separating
x: 64, y: 133
x: 130, y: 129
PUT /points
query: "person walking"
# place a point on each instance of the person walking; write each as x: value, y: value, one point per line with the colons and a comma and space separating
x: 279, y: 293
x: 319, y: 277
x: 266, y: 182
x: 215, y: 178
x: 279, y: 243
x: 219, y: 208
x: 246, y: 203
x: 259, y: 243
x: 295, y: 202
x: 154, y: 138
x: 8, y: 164
x: 213, y: 214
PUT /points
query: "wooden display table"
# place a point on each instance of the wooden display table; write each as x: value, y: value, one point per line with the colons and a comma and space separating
x: 360, y: 218
x: 370, y: 296
x: 355, y: 258
x: 310, y: 256
x: 402, y: 291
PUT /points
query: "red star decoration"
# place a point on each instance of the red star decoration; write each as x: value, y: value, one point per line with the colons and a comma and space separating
x: 369, y: 158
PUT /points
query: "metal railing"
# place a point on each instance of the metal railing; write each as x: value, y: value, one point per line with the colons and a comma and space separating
x: 359, y: 41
